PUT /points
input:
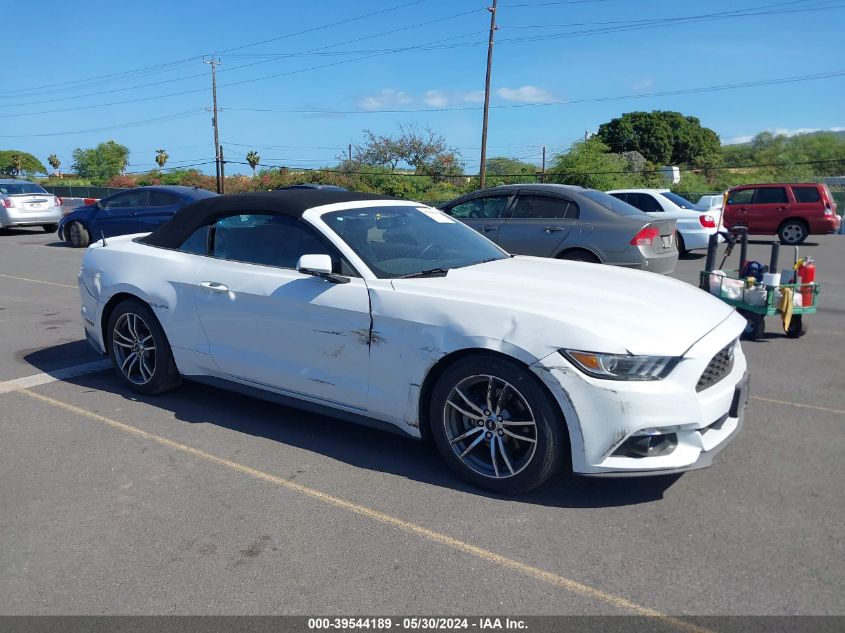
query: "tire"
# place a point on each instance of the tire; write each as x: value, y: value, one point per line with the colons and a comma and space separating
x: 793, y: 232
x: 50, y: 228
x: 459, y: 425
x: 77, y: 235
x: 797, y: 327
x: 755, y: 325
x: 134, y: 331
x: 580, y: 256
x: 682, y: 248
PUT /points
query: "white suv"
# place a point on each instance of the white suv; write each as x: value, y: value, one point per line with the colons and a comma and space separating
x: 694, y: 226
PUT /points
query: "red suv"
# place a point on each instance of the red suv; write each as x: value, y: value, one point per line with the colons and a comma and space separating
x: 792, y: 211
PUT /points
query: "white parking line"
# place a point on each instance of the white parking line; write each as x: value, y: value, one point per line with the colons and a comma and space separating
x: 60, y: 374
x: 38, y: 281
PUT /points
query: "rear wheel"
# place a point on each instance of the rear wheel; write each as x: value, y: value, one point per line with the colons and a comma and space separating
x: 580, y: 256
x: 682, y: 248
x: 50, y: 228
x: 495, y: 425
x: 793, y: 232
x: 77, y: 235
x: 139, y: 350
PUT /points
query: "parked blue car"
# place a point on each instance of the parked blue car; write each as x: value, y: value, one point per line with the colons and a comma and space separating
x: 138, y: 210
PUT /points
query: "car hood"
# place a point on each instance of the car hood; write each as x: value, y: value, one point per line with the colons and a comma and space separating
x: 79, y: 213
x: 549, y: 303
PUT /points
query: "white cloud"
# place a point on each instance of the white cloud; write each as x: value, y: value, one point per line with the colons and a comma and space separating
x: 644, y: 86
x: 473, y: 96
x: 782, y: 131
x: 435, y: 99
x: 526, y: 94
x: 385, y: 98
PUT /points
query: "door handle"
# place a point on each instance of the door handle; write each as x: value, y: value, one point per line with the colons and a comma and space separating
x: 487, y: 229
x: 783, y: 208
x: 742, y: 209
x: 214, y: 286
x: 553, y: 229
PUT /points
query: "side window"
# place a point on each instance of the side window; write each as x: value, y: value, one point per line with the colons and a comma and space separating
x: 494, y: 206
x: 621, y: 196
x: 806, y: 194
x: 770, y: 195
x: 742, y: 196
x: 536, y: 207
x: 132, y: 198
x: 269, y: 240
x: 645, y: 202
x: 197, y: 243
x: 163, y: 199
x: 468, y: 209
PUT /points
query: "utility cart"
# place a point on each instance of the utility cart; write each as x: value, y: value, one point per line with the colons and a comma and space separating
x: 766, y: 295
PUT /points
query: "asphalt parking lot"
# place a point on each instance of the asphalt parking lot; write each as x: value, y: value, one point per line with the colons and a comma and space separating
x: 204, y: 502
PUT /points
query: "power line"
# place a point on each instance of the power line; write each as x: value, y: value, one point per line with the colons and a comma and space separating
x: 235, y: 48
x: 120, y: 126
x: 714, y: 88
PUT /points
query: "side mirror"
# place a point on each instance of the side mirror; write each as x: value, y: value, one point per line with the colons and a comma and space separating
x: 319, y: 266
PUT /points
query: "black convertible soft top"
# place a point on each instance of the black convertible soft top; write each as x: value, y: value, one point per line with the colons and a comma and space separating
x: 292, y: 202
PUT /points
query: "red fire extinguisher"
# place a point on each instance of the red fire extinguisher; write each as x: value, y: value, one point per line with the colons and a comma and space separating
x: 807, y: 275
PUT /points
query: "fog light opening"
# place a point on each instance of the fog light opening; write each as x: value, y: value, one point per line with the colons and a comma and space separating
x: 648, y: 443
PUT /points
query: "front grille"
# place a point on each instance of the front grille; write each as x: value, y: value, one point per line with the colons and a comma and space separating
x: 719, y: 367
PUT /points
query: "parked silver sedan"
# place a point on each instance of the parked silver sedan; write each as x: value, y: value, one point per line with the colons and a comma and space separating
x: 569, y: 222
x: 24, y: 203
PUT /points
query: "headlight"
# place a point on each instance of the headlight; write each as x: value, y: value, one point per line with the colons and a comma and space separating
x: 621, y: 366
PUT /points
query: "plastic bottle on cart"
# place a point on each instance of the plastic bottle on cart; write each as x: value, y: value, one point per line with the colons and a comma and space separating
x: 807, y: 275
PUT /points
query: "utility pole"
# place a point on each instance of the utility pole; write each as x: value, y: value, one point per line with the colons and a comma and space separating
x: 483, y: 171
x: 217, y: 157
x: 543, y: 173
x: 222, y: 172
x: 350, y: 154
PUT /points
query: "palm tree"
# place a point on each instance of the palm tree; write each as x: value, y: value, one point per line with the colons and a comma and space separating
x: 161, y: 158
x: 55, y: 163
x: 253, y: 159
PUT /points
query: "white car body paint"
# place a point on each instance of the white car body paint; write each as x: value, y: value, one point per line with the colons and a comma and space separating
x: 687, y: 221
x: 366, y: 347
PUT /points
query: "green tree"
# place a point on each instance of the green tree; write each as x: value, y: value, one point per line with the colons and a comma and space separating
x: 161, y: 158
x: 425, y: 151
x: 55, y: 163
x: 17, y: 163
x: 663, y: 137
x: 102, y: 162
x: 253, y: 159
x: 590, y: 164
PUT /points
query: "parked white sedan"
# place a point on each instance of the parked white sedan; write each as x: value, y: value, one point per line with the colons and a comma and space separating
x: 694, y: 226
x: 392, y: 314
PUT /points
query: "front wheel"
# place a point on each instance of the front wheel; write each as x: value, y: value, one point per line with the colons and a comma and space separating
x: 496, y: 427
x: 755, y: 325
x: 797, y: 327
x: 139, y: 350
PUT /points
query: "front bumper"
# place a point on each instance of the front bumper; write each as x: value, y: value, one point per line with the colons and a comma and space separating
x: 602, y: 415
x: 18, y: 217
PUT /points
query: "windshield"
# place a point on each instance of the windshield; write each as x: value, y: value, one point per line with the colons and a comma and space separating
x: 18, y: 188
x: 616, y: 205
x: 681, y: 202
x: 397, y: 241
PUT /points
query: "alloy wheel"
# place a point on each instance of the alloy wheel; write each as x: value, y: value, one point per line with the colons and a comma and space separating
x: 134, y: 348
x: 792, y: 233
x: 490, y: 426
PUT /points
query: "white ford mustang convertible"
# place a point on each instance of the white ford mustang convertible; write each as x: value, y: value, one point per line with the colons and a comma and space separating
x: 392, y: 314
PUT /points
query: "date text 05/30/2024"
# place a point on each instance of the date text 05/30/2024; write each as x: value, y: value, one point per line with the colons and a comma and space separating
x: 415, y: 623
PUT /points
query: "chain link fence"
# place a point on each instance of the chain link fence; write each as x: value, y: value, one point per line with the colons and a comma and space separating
x: 64, y: 191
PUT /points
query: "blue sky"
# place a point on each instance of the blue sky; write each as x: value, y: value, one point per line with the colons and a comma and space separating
x: 409, y: 55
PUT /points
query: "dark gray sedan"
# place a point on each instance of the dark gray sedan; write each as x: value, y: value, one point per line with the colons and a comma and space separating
x: 568, y: 222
